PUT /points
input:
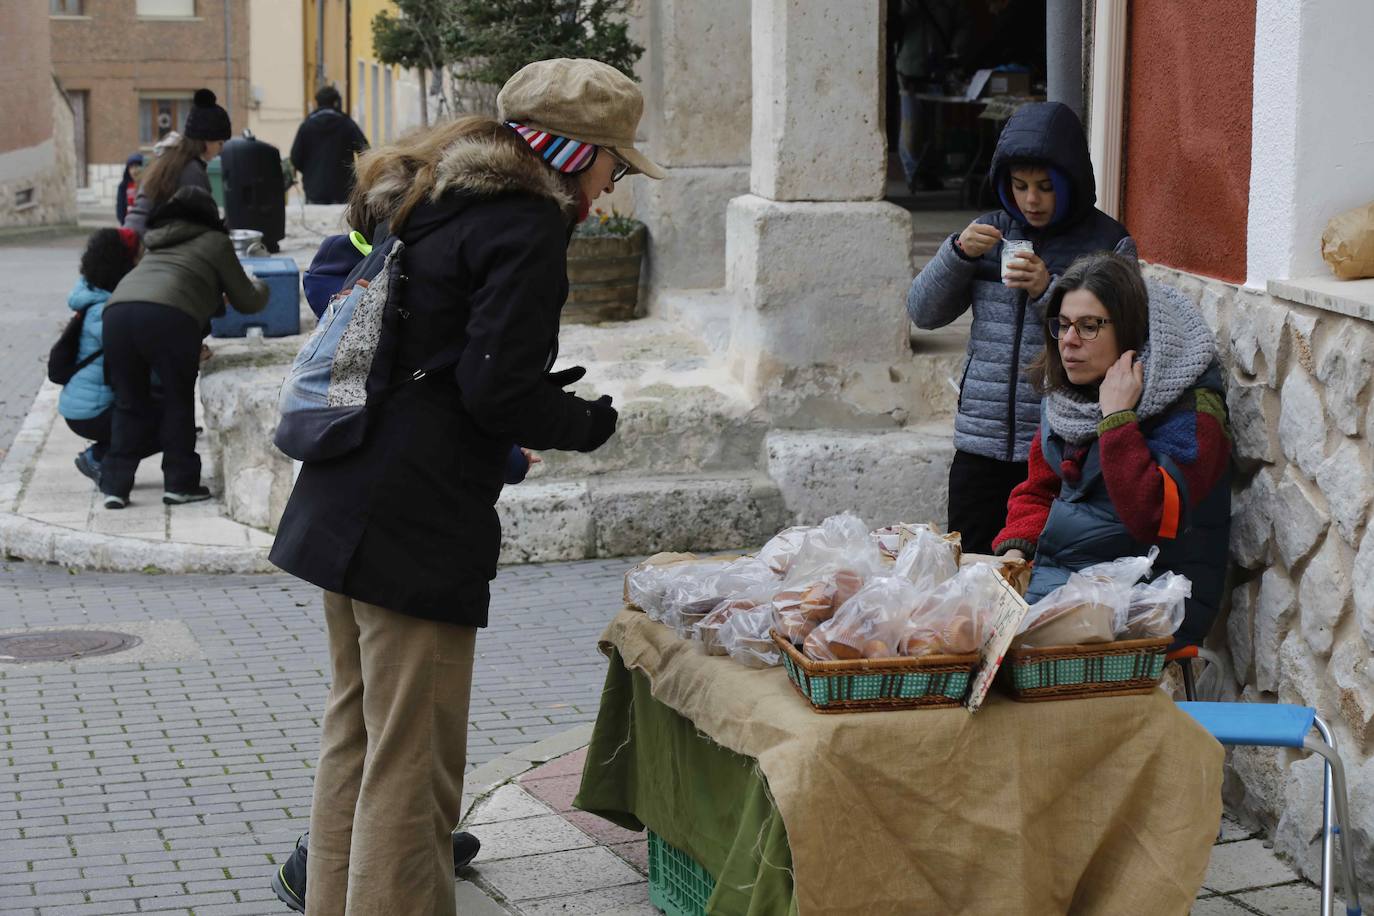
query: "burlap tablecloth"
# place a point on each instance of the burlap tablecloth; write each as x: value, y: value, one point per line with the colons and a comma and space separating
x: 1106, y: 805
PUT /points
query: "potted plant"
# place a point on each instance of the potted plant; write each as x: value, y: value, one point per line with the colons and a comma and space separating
x: 604, y: 262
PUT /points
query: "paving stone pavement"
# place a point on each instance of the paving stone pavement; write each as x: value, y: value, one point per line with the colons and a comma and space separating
x: 173, y: 784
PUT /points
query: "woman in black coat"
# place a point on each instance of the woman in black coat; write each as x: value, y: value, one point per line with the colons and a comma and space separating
x: 402, y: 534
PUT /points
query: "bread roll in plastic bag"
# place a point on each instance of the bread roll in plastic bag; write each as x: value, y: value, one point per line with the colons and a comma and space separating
x: 646, y: 584
x: 782, y: 548
x: 952, y: 619
x: 746, y: 639
x: 708, y: 630
x: 798, y: 611
x: 687, y: 599
x: 1083, y: 610
x: 1156, y: 608
x: 868, y: 625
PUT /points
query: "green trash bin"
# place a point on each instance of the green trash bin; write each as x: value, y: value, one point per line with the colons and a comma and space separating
x: 216, y: 174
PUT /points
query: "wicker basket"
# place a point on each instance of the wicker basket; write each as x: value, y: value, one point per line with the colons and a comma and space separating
x: 1103, y: 669
x: 888, y: 683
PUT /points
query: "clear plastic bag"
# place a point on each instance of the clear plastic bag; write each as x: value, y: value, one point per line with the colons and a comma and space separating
x: 688, y: 599
x: 1125, y: 571
x: 868, y: 625
x: 953, y: 618
x: 1156, y: 609
x: 647, y: 583
x: 891, y: 539
x: 782, y: 547
x: 746, y: 639
x: 708, y: 630
x: 798, y: 611
x: 841, y: 542
x: 927, y: 559
x: 1085, y: 609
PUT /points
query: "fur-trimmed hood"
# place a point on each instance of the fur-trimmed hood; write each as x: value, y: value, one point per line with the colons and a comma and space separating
x: 478, y: 167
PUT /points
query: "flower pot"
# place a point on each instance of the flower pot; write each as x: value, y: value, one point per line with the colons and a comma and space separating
x: 603, y: 277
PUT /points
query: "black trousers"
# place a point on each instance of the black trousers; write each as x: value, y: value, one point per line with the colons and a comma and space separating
x: 978, y: 491
x: 100, y: 428
x: 141, y: 338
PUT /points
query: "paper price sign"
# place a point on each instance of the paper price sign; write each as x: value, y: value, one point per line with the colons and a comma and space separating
x: 1007, y: 613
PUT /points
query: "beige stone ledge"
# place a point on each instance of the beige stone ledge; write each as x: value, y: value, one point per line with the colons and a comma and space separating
x: 1354, y: 298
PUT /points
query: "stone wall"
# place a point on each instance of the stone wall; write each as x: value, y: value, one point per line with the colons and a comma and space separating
x: 1299, y: 623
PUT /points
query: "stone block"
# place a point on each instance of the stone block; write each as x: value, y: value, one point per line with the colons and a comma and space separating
x: 1258, y: 783
x: 1240, y: 630
x: 686, y: 218
x: 1344, y: 368
x: 1302, y: 423
x: 817, y: 128
x: 1273, y: 614
x: 796, y: 308
x: 239, y: 398
x: 1252, y: 523
x: 1298, y: 835
x: 1324, y: 593
x: 1299, y: 518
x: 883, y: 477
x: 1347, y: 481
x: 1301, y: 678
x: 1362, y: 574
x: 544, y: 522
x: 1257, y: 336
x: 1352, y: 672
x: 1254, y: 411
x: 647, y: 515
x: 1302, y: 328
x: 696, y: 115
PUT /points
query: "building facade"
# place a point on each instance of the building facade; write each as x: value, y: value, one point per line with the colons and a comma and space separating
x: 130, y: 69
x: 37, y: 147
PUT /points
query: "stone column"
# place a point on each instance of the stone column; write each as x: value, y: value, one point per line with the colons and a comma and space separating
x: 695, y: 77
x: 1064, y: 53
x: 817, y: 264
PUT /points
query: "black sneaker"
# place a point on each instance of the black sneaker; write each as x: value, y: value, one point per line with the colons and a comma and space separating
x: 465, y: 847
x: 196, y: 495
x: 88, y: 466
x: 115, y: 502
x: 289, y: 880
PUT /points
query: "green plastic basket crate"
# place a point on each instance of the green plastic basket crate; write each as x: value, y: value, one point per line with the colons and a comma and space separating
x: 1102, y: 669
x: 677, y: 884
x: 888, y: 683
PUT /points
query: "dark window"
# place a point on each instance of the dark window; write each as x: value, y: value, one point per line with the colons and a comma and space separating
x: 159, y: 116
x: 64, y: 7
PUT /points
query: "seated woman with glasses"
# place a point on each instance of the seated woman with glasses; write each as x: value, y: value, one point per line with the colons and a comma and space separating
x: 1133, y: 448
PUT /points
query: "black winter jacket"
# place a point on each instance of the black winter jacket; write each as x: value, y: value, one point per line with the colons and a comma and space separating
x: 323, y: 152
x: 999, y: 410
x: 408, y: 521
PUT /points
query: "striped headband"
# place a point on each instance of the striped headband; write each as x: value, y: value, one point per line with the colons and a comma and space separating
x: 562, y: 153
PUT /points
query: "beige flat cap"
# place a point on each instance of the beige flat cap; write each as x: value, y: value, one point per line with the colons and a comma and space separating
x: 580, y: 99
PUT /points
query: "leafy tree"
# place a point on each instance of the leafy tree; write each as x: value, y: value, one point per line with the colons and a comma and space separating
x: 414, y: 40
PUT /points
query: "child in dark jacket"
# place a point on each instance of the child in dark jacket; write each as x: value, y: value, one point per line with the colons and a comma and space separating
x: 1043, y: 176
x: 127, y: 192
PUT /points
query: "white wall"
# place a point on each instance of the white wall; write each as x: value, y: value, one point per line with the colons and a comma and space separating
x: 1313, y: 130
x: 276, y: 70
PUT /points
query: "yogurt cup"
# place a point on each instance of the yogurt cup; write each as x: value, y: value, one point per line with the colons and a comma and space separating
x: 1011, y: 249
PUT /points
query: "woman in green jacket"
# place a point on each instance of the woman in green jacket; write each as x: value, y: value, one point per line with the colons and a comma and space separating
x: 154, y: 322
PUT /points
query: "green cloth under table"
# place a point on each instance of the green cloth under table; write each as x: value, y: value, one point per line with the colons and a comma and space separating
x: 1096, y: 806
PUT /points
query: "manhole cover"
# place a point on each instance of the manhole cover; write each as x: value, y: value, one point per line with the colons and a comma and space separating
x: 60, y: 645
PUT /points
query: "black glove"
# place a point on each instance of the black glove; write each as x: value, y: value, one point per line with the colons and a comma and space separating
x: 603, y: 423
x: 566, y: 377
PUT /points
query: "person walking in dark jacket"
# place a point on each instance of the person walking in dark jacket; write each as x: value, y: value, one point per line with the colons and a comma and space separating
x: 154, y: 322
x: 1134, y: 446
x: 1043, y: 176
x: 182, y: 165
x: 402, y: 533
x: 324, y: 148
x: 127, y: 192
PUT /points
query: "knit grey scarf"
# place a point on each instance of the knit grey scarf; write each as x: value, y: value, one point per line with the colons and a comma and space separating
x: 1178, y: 351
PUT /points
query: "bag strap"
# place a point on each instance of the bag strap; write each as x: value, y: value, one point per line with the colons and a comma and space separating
x: 87, y: 361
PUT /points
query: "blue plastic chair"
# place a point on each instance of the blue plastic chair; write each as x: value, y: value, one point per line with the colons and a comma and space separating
x: 1284, y: 725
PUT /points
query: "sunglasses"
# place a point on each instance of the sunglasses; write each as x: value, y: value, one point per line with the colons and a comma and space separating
x: 1087, y: 328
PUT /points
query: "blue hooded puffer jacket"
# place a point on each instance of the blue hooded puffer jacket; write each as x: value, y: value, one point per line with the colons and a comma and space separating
x: 999, y: 409
x: 86, y: 395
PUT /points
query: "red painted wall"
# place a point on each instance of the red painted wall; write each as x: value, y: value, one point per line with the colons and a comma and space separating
x: 1187, y: 150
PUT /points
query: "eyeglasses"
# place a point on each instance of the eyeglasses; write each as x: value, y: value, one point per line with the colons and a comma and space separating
x: 622, y: 168
x: 1086, y: 328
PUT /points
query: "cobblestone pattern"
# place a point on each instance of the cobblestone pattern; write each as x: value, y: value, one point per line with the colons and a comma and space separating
x: 175, y: 786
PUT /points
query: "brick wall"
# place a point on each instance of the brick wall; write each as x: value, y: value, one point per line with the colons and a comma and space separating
x: 116, y: 57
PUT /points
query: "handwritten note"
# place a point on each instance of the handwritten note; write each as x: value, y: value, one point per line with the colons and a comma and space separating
x: 1008, y: 611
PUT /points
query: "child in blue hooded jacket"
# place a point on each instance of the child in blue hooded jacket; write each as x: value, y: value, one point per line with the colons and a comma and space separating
x: 86, y: 402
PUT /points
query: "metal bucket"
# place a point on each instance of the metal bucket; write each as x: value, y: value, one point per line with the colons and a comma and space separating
x: 247, y: 243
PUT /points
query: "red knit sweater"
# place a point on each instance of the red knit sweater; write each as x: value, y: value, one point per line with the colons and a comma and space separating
x: 1146, y: 498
